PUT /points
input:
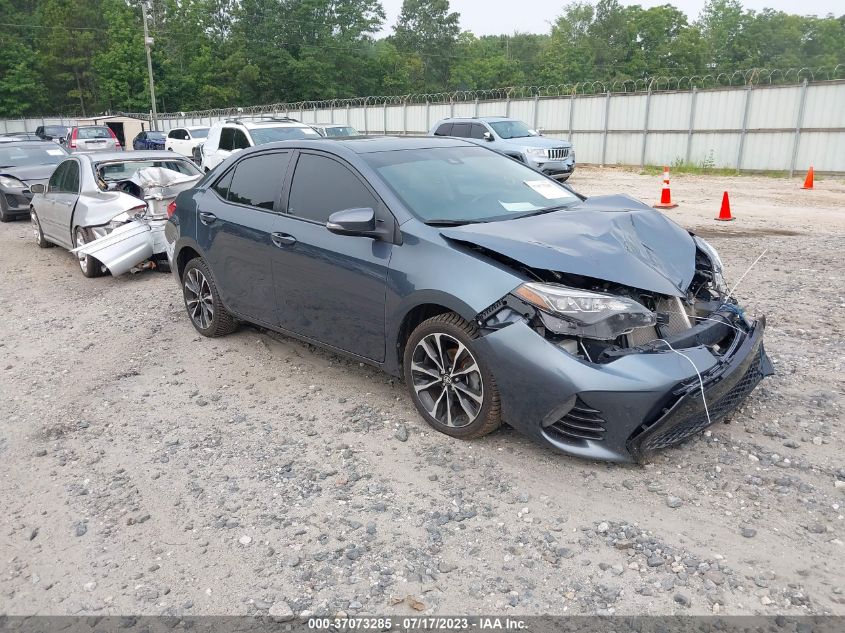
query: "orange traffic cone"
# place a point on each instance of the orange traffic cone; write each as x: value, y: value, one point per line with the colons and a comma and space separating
x: 725, y: 211
x: 808, y: 183
x: 665, y: 194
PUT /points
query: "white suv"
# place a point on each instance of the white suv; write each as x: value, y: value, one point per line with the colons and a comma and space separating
x: 183, y: 140
x: 233, y: 135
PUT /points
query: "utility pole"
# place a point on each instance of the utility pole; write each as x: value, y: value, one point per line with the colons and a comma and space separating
x: 148, y: 44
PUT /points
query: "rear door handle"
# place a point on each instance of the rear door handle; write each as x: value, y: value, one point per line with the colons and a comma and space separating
x: 282, y: 239
x: 207, y: 218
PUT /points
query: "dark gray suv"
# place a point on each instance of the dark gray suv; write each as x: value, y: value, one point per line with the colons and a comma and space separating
x: 596, y: 326
x: 512, y: 137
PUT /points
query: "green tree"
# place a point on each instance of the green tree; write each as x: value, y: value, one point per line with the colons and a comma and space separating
x: 428, y: 30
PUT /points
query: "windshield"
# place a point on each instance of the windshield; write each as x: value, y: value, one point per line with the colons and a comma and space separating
x: 93, y: 132
x: 155, y: 136
x: 342, y: 130
x: 199, y: 132
x: 261, y: 135
x: 453, y: 185
x: 23, y: 156
x: 124, y: 169
x: 512, y: 129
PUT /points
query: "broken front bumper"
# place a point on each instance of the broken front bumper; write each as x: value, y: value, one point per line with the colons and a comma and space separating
x: 625, y: 409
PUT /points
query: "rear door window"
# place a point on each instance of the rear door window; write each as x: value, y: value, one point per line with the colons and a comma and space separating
x: 460, y: 130
x: 444, y: 130
x: 70, y: 178
x: 257, y: 180
x: 322, y: 186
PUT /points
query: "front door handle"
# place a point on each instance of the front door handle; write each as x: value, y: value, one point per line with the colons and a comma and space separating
x: 207, y: 218
x: 282, y: 239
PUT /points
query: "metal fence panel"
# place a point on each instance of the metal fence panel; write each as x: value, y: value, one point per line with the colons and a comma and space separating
x: 719, y: 109
x: 751, y: 126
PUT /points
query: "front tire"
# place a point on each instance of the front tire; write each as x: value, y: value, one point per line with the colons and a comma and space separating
x: 36, y: 229
x: 202, y: 301
x: 449, y: 382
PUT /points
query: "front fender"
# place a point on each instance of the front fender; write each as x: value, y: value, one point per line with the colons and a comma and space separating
x: 427, y: 269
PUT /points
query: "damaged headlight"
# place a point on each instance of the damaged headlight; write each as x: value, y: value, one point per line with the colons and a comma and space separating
x: 719, y: 283
x: 583, y: 313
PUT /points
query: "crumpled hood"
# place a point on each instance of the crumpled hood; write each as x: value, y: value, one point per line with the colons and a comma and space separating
x: 614, y: 238
x: 30, y: 174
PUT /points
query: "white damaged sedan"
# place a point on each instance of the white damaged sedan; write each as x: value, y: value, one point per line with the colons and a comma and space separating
x: 110, y: 208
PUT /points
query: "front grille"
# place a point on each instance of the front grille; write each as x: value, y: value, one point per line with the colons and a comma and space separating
x: 581, y: 423
x: 698, y: 421
x: 14, y: 201
x: 558, y: 153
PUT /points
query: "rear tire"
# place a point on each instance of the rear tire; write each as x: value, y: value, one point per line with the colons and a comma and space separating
x: 202, y: 301
x: 449, y: 381
x: 90, y: 266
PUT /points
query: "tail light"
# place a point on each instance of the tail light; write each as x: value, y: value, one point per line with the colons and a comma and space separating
x: 73, y: 135
x: 171, y: 209
x: 116, y: 142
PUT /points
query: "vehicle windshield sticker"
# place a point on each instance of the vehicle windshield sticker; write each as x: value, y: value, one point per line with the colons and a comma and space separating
x: 55, y: 152
x: 547, y: 189
x: 519, y: 207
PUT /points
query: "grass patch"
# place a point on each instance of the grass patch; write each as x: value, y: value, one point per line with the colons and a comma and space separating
x: 707, y: 170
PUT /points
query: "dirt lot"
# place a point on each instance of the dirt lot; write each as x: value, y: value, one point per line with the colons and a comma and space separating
x: 144, y: 469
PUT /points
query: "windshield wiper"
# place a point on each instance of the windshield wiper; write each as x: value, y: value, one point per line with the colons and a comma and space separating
x: 448, y: 222
x: 559, y: 207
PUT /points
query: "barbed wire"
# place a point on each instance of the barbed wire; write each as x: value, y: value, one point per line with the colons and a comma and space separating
x: 751, y: 76
x: 655, y: 83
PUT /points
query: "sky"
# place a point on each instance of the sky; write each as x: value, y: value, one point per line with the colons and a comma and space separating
x: 494, y: 17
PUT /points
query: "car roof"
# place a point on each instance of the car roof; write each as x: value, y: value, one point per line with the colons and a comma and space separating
x: 153, y: 154
x: 26, y: 142
x: 370, y: 144
x: 477, y: 118
x: 250, y: 125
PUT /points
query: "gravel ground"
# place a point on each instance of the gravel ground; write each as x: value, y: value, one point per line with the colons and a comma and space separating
x: 147, y: 470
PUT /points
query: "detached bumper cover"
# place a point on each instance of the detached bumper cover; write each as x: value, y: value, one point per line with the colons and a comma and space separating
x: 725, y: 387
x: 621, y: 410
x: 127, y: 246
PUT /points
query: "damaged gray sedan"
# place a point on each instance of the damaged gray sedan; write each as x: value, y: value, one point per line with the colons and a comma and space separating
x: 109, y: 209
x: 596, y: 326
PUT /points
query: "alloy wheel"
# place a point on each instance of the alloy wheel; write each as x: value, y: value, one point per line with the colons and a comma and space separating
x: 36, y: 228
x: 447, y: 380
x: 198, y: 299
x: 81, y: 241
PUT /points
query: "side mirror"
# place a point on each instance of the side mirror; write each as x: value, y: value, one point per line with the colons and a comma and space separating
x: 488, y: 136
x: 353, y: 222
x: 37, y: 188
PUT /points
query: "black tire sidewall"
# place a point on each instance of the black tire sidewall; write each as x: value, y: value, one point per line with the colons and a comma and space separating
x: 213, y: 328
x: 94, y: 266
x: 488, y: 384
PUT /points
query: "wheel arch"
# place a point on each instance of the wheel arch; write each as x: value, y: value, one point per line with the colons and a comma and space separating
x: 415, y: 313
